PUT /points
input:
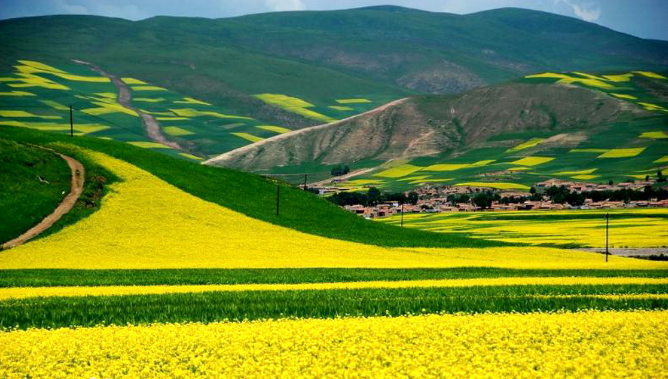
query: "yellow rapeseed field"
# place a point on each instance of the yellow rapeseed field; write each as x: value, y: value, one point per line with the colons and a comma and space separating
x: 525, y: 145
x: 398, y: 171
x: 293, y: 104
x: 190, y: 100
x: 622, y: 153
x: 538, y: 345
x: 248, y: 137
x: 132, y: 81
x: 532, y: 161
x: 456, y: 166
x: 273, y: 128
x: 26, y: 292
x: 353, y: 101
x: 148, y: 88
x: 145, y: 222
x: 625, y: 232
x: 176, y: 131
x: 189, y: 112
x: 499, y: 185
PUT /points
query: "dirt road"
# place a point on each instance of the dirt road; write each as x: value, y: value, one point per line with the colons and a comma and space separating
x: 77, y: 183
x: 342, y: 177
x: 125, y: 99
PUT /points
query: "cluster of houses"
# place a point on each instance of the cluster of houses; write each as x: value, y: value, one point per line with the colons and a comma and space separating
x: 433, y: 199
x: 442, y: 205
x: 588, y: 187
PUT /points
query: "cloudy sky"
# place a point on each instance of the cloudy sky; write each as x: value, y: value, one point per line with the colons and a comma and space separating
x: 643, y: 18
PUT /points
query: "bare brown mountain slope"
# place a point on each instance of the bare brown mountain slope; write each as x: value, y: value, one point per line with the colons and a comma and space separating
x: 430, y: 125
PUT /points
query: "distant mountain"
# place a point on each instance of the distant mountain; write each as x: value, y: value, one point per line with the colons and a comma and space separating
x: 568, y: 125
x: 429, y: 125
x: 377, y: 53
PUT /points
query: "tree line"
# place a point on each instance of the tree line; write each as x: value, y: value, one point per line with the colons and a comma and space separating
x: 372, y: 197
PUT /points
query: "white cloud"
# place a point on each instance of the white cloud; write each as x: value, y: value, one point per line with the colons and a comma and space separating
x: 284, y: 5
x: 588, y: 11
x: 64, y: 7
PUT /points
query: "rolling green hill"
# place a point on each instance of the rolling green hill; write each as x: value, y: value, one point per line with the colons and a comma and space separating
x: 214, y: 86
x: 377, y: 53
x: 572, y: 126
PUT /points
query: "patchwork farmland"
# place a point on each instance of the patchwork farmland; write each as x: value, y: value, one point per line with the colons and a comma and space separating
x: 174, y: 259
x: 282, y: 279
x: 38, y: 96
x: 633, y: 148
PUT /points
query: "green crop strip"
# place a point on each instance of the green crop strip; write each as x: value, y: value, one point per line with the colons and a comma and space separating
x: 55, y: 277
x: 220, y: 306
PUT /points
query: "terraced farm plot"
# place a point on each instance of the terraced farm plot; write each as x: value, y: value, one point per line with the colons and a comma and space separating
x: 532, y: 161
x: 526, y: 145
x: 295, y: 105
x: 622, y: 153
x: 398, y: 171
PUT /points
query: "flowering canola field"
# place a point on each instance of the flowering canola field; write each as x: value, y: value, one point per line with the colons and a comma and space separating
x: 629, y: 227
x: 28, y: 292
x: 183, y: 231
x: 590, y: 344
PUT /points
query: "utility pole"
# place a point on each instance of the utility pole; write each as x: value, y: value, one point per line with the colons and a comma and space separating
x: 402, y: 214
x: 278, y: 199
x: 607, y: 225
x: 71, y: 123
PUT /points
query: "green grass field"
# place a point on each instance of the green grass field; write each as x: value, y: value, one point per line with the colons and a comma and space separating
x: 33, y: 182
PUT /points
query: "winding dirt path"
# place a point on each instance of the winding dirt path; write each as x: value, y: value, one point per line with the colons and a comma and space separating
x: 125, y: 99
x: 76, y: 188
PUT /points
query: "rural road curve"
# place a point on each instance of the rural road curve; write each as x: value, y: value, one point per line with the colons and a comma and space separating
x: 125, y: 99
x: 342, y: 177
x: 279, y: 137
x: 77, y: 183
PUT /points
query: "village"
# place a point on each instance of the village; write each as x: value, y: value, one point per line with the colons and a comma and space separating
x: 444, y: 198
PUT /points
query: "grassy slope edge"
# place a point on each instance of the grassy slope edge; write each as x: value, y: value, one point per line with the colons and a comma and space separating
x: 233, y: 189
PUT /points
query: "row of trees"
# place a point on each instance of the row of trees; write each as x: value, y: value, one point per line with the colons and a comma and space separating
x: 561, y: 195
x: 372, y: 197
x: 339, y: 170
